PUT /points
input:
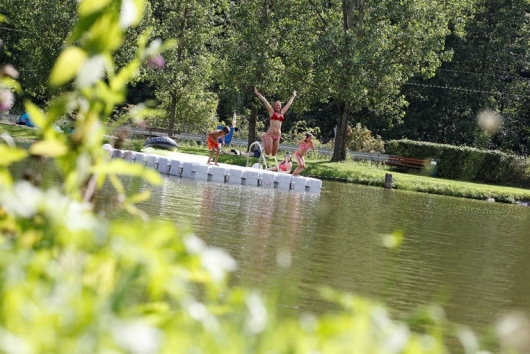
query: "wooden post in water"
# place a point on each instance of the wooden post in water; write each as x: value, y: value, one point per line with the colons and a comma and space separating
x: 388, y: 180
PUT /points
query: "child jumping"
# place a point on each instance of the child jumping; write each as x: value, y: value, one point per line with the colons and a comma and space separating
x: 213, y: 142
x: 303, y: 146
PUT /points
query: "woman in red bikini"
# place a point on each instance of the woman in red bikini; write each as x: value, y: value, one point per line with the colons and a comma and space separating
x: 285, y: 166
x: 303, y: 146
x: 271, y: 139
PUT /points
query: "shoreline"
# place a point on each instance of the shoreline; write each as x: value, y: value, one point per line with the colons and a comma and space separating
x: 351, y: 171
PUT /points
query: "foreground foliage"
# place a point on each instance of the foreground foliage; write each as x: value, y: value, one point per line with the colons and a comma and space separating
x: 72, y: 281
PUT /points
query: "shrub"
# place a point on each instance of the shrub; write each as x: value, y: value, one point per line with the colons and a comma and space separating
x: 360, y: 139
x: 465, y: 163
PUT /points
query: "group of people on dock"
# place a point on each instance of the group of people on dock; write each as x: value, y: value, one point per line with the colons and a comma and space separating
x: 271, y: 139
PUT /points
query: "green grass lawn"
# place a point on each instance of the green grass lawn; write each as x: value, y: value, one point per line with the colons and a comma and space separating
x: 348, y: 171
x: 20, y: 133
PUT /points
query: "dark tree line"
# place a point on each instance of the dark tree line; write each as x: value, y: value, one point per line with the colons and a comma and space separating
x: 422, y: 70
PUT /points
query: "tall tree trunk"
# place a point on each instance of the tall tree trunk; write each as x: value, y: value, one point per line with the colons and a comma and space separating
x: 252, y: 125
x: 172, y: 114
x: 180, y: 51
x: 341, y: 138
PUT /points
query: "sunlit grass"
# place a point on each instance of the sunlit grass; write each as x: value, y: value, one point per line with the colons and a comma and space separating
x: 20, y: 133
x: 371, y: 174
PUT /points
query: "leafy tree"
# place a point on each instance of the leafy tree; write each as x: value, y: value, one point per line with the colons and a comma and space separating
x: 33, y: 36
x: 182, y: 87
x: 360, y: 53
x: 489, y: 70
x: 255, y: 45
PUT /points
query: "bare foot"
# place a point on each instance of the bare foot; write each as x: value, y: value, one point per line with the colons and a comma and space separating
x: 216, y: 164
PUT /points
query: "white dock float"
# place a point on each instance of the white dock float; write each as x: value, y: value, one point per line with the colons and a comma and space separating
x: 151, y: 160
x: 187, y: 167
x: 117, y: 154
x: 313, y: 185
x: 250, y: 177
x: 129, y: 156
x: 266, y: 179
x: 175, y: 168
x: 140, y: 158
x: 200, y: 172
x: 298, y: 183
x: 195, y: 167
x: 282, y: 181
x: 216, y: 174
x: 234, y: 175
x: 163, y: 163
x: 108, y: 149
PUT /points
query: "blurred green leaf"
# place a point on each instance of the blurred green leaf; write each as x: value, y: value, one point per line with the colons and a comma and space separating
x: 11, y: 154
x: 36, y: 114
x: 140, y: 197
x: 49, y: 148
x: 11, y: 83
x: 88, y: 7
x: 67, y: 65
x: 122, y: 167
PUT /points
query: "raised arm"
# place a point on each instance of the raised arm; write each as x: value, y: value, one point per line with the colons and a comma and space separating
x: 288, y: 104
x: 264, y: 100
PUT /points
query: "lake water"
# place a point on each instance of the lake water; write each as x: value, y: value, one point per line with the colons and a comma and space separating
x: 470, y: 256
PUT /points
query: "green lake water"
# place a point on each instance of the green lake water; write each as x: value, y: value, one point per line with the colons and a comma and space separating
x: 472, y: 257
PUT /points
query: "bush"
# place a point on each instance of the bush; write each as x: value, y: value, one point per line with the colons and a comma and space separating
x: 465, y: 163
x: 360, y: 139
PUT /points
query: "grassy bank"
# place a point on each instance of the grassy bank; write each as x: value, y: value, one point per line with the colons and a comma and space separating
x: 348, y: 171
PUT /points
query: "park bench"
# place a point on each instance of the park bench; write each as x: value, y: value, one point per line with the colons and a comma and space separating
x: 407, y: 162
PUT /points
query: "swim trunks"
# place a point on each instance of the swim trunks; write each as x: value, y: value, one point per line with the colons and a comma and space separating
x: 212, y: 144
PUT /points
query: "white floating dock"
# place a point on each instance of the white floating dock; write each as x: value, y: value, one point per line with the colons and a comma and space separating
x: 195, y: 167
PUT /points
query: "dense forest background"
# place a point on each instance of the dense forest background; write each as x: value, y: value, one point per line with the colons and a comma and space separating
x: 422, y: 70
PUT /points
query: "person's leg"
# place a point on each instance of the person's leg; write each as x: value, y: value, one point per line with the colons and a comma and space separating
x: 301, y: 164
x: 267, y: 143
x: 210, y: 157
x: 218, y: 150
x: 275, y: 144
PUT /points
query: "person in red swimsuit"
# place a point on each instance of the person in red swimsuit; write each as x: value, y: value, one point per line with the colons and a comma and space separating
x: 213, y: 143
x: 285, y: 166
x: 271, y: 139
x: 303, y: 146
